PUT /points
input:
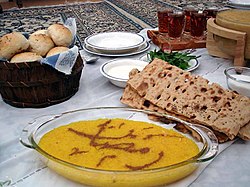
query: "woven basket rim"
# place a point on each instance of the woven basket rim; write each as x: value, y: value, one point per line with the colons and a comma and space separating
x: 10, y: 65
x: 38, y: 85
x: 38, y: 105
x: 39, y: 82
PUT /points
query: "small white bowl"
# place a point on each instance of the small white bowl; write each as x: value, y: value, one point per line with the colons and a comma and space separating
x: 117, y: 71
x: 238, y: 79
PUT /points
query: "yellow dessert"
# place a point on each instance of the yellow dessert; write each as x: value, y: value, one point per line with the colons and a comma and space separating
x: 118, y: 144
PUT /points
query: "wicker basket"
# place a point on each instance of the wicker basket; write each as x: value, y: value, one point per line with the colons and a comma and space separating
x: 30, y: 84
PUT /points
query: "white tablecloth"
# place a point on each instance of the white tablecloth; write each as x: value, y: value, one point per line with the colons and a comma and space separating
x: 20, y: 166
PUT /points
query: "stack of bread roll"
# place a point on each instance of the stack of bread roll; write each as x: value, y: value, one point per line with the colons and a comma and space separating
x: 16, y: 48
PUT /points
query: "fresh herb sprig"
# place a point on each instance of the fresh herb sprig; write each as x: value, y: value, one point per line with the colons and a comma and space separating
x: 179, y: 59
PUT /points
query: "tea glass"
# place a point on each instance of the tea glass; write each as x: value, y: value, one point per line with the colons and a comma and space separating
x: 163, y: 20
x: 198, y: 24
x: 211, y: 12
x: 188, y: 11
x: 176, y: 24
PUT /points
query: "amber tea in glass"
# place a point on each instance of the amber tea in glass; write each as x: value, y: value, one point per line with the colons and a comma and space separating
x: 163, y: 20
x: 198, y: 24
x: 188, y: 12
x: 211, y: 12
x: 176, y: 23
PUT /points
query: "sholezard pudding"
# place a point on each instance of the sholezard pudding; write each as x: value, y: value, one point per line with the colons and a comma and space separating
x: 118, y: 144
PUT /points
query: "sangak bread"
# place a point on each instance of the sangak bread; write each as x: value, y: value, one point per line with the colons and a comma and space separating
x: 179, y: 92
x: 245, y: 132
x: 131, y: 98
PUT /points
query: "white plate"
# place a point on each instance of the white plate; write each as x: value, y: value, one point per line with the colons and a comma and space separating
x: 115, y: 42
x: 141, y: 49
x: 193, y: 64
x: 117, y: 71
x: 240, y: 2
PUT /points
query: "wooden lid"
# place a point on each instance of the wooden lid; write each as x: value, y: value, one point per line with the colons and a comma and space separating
x: 234, y: 19
x: 237, y: 20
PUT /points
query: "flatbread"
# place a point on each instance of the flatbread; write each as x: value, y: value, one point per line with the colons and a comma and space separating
x: 177, y: 91
x: 244, y: 132
x: 131, y: 98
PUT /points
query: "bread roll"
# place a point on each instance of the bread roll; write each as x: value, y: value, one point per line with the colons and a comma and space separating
x: 43, y: 31
x: 40, y: 44
x: 56, y: 50
x: 60, y: 34
x: 12, y: 43
x: 25, y: 57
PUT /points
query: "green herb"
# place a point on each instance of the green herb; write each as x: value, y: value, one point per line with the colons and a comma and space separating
x: 179, y: 59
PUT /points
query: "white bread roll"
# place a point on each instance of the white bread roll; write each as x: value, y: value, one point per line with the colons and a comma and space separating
x: 25, y: 57
x: 43, y: 31
x: 40, y: 44
x: 56, y: 50
x: 60, y: 35
x: 12, y: 43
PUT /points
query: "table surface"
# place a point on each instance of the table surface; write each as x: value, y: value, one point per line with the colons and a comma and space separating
x: 20, y: 166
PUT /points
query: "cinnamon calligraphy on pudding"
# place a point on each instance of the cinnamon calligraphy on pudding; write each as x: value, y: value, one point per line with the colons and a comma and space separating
x: 118, y: 145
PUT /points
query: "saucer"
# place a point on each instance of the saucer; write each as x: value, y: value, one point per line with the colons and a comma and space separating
x: 141, y: 49
x: 115, y: 42
x: 193, y: 64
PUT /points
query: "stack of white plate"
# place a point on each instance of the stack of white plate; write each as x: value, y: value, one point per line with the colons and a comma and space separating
x: 115, y: 44
x: 239, y: 4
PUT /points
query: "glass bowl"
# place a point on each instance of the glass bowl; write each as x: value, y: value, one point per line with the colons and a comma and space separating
x: 203, y: 137
x: 238, y: 79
